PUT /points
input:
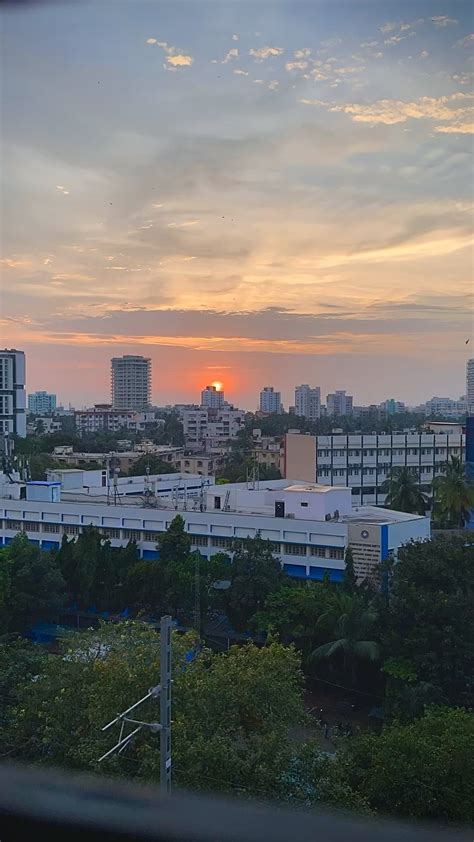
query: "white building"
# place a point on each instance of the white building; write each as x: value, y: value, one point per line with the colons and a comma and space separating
x: 41, y: 403
x: 131, y: 382
x: 470, y: 385
x: 104, y: 417
x: 270, y: 401
x: 446, y: 407
x: 12, y: 392
x: 308, y: 402
x: 364, y: 462
x: 212, y: 397
x: 208, y: 428
x: 310, y: 526
x: 338, y: 403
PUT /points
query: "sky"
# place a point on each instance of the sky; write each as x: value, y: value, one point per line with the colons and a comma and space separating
x: 260, y: 193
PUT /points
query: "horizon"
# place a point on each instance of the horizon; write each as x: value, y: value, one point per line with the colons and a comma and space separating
x: 270, y: 198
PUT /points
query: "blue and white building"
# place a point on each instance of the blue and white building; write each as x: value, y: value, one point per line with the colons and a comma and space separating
x: 310, y: 526
x: 41, y: 403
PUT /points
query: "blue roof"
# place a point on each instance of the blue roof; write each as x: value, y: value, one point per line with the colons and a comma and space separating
x: 42, y: 482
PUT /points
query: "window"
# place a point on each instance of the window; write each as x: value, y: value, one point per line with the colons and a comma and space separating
x: 304, y: 505
x: 320, y: 552
x: 13, y: 524
x: 107, y: 532
x: 132, y: 534
x: 148, y: 536
x: 199, y: 540
x: 336, y: 553
x: 225, y: 543
x: 217, y: 502
x: 50, y: 527
x: 354, y: 452
x: 69, y: 529
x: 295, y: 549
x: 31, y: 526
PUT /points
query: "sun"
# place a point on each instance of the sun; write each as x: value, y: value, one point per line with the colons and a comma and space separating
x: 217, y: 385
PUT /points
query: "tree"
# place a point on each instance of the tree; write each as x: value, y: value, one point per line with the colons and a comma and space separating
x: 454, y: 495
x: 424, y: 621
x: 352, y: 623
x: 151, y: 462
x: 350, y: 578
x: 293, y: 613
x: 79, y: 560
x: 231, y: 712
x: 403, y: 492
x: 32, y: 583
x: 424, y: 770
x: 255, y: 574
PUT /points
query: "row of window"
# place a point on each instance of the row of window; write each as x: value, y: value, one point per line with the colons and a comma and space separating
x: 410, y: 451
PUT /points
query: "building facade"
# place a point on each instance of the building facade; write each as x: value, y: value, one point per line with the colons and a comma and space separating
x: 338, y: 403
x: 270, y: 401
x: 445, y: 407
x: 131, y: 382
x: 310, y: 526
x: 308, y: 402
x: 104, y: 417
x: 212, y: 398
x: 41, y: 403
x: 470, y: 385
x: 12, y: 392
x: 364, y: 462
x: 208, y: 428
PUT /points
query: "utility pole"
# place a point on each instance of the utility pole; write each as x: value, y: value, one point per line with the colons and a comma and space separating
x: 163, y: 691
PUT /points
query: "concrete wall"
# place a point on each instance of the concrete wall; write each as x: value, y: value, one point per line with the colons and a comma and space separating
x: 299, y: 457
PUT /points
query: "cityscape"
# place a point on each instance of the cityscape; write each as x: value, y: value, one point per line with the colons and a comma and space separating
x: 237, y: 421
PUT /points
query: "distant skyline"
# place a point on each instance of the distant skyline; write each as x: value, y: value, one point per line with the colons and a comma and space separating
x: 267, y: 193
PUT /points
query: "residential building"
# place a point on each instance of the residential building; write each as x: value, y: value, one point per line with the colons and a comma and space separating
x: 123, y: 459
x: 266, y: 450
x: 299, y: 456
x: 446, y: 407
x: 12, y: 392
x: 270, y: 401
x: 131, y: 382
x: 212, y: 397
x: 470, y: 385
x: 208, y: 428
x: 338, y: 403
x: 103, y: 417
x: 308, y: 402
x: 41, y: 403
x: 364, y: 462
x: 391, y: 407
x: 201, y: 464
x: 310, y: 526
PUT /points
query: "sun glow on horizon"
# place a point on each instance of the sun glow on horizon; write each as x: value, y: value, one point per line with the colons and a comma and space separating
x: 218, y: 386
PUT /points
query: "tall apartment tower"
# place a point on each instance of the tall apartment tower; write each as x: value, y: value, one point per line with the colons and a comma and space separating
x: 308, y: 402
x: 212, y: 398
x: 41, y: 403
x: 470, y: 386
x: 270, y: 401
x: 131, y: 382
x: 12, y: 392
x: 338, y: 403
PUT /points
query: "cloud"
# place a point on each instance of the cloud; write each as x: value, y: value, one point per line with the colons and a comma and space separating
x: 462, y: 78
x: 296, y: 65
x: 369, y: 44
x: 186, y: 224
x: 466, y: 42
x: 388, y: 27
x: 235, y: 37
x: 265, y: 52
x: 424, y: 54
x: 151, y: 41
x: 180, y: 60
x: 331, y: 42
x: 239, y: 72
x: 273, y: 85
x: 395, y: 39
x: 304, y: 53
x: 390, y: 111
x: 230, y: 55
x: 441, y: 21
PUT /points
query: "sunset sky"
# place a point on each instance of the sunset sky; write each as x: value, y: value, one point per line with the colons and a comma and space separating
x: 256, y: 193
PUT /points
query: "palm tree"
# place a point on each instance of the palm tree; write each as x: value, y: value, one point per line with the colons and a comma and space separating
x: 352, y: 623
x: 454, y: 494
x: 404, y: 493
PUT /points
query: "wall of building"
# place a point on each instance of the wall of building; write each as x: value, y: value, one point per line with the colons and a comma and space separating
x: 299, y: 457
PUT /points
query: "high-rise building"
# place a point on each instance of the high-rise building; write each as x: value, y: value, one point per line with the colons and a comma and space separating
x: 470, y: 385
x: 12, y: 392
x: 338, y: 403
x: 212, y: 397
x: 270, y: 401
x: 131, y: 382
x: 308, y: 402
x: 41, y: 403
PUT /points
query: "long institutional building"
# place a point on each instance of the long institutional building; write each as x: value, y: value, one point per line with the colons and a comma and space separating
x: 363, y: 462
x: 310, y: 526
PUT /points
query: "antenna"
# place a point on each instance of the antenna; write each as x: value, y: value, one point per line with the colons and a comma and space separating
x: 163, y: 691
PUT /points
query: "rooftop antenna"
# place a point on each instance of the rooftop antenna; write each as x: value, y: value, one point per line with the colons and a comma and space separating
x: 163, y: 727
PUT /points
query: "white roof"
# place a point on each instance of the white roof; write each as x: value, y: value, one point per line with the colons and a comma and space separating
x: 315, y: 489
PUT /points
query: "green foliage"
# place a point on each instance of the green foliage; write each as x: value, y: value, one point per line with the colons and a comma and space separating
x: 425, y: 622
x: 231, y: 713
x: 31, y: 584
x: 149, y: 460
x: 454, y: 495
x: 403, y: 492
x: 255, y: 575
x: 293, y: 612
x: 421, y: 770
x: 350, y: 578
